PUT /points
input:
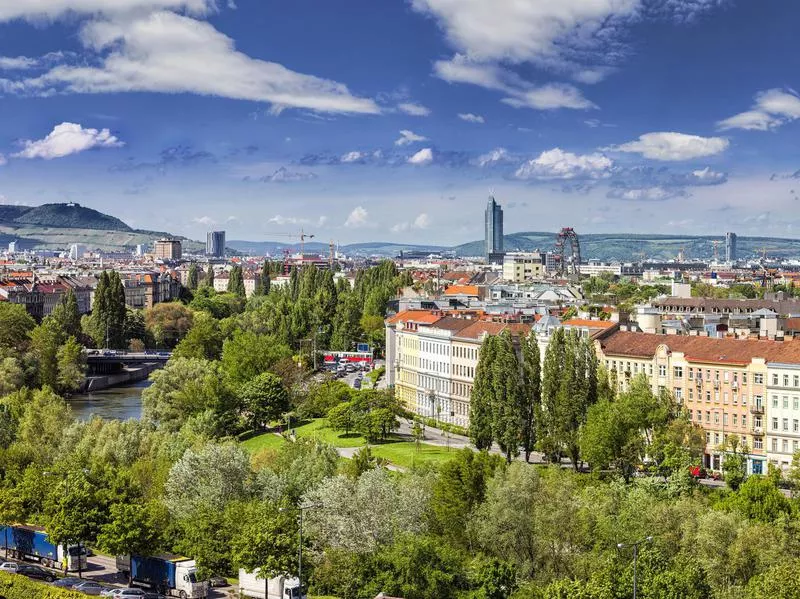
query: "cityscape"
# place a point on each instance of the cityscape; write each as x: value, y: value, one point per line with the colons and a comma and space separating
x: 420, y: 299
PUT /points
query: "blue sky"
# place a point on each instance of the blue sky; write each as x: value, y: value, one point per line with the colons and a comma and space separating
x: 361, y: 120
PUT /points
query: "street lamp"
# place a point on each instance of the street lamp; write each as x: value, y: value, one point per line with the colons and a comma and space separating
x: 300, y: 509
x: 635, y: 546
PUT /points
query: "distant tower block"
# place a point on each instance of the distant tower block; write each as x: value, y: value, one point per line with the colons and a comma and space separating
x: 494, y: 227
x: 730, y: 247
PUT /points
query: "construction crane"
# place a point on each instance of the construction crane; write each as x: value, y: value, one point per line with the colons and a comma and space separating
x: 716, y: 243
x: 302, y: 236
x: 763, y: 251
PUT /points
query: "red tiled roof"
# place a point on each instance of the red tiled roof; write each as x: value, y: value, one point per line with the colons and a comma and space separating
x: 419, y: 316
x: 701, y: 349
x: 462, y: 290
x: 591, y: 324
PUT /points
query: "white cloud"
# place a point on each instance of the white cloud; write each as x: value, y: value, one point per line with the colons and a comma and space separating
x: 651, y: 194
x: 550, y: 97
x: 558, y: 164
x: 284, y: 175
x: 66, y: 139
x: 170, y: 53
x: 471, y: 118
x: 671, y: 146
x: 408, y: 137
x: 205, y: 221
x: 772, y: 108
x: 358, y: 218
x: 422, y: 221
x: 520, y: 93
x: 414, y: 109
x: 352, y: 157
x: 52, y: 9
x: 3, y: 160
x: 293, y: 220
x: 494, y: 157
x: 706, y: 175
x: 424, y: 156
x: 10, y: 63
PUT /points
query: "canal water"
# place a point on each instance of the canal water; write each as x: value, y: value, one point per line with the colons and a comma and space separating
x: 118, y: 402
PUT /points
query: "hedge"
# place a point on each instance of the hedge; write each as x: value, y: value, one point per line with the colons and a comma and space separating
x: 15, y: 586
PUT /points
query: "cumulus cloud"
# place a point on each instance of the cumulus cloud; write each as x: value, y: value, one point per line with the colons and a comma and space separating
x: 353, y: 157
x: 3, y: 160
x: 293, y: 220
x: 66, y: 139
x: 708, y: 176
x: 284, y: 175
x: 413, y: 109
x: 171, y: 53
x: 558, y: 164
x: 772, y: 108
x: 408, y: 137
x: 422, y: 221
x: 672, y: 146
x: 358, y: 218
x: 471, y: 118
x: 53, y: 9
x: 550, y: 97
x: 424, y: 156
x: 206, y: 221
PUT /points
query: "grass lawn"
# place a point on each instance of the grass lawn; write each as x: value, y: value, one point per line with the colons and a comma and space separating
x: 398, y: 451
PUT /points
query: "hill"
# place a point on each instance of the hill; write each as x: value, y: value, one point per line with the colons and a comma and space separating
x: 65, y: 216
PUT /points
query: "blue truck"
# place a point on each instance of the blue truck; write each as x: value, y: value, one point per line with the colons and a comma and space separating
x: 170, y: 575
x: 31, y: 543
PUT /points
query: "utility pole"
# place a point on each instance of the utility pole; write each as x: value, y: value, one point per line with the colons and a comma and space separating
x: 635, y: 546
x: 301, y: 509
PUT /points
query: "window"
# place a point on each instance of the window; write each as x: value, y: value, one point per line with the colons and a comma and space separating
x: 735, y: 419
x: 796, y: 381
x: 785, y: 423
x: 744, y: 420
x: 708, y: 395
x: 785, y: 402
x: 708, y: 375
x: 775, y: 380
x: 716, y: 438
x: 678, y: 393
x: 699, y: 415
x: 794, y: 403
x: 758, y: 443
x: 716, y: 376
x: 708, y: 438
x: 726, y: 375
x: 691, y: 393
x: 724, y: 419
x: 650, y: 369
x: 758, y: 379
x: 716, y: 396
x: 774, y: 401
x: 785, y: 446
x: 662, y: 370
x: 716, y: 417
x: 744, y: 378
x: 735, y: 398
x: 774, y: 424
x: 794, y: 446
x: 678, y: 372
x: 708, y: 416
x: 691, y: 374
x: 785, y: 380
x: 796, y: 426
x: 725, y: 397
x: 775, y: 445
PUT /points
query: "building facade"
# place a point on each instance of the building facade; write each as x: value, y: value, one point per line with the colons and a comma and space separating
x: 782, y: 413
x: 730, y: 247
x: 519, y: 267
x: 168, y: 249
x: 215, y: 244
x: 494, y: 227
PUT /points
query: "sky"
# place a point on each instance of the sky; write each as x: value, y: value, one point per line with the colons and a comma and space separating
x: 393, y: 120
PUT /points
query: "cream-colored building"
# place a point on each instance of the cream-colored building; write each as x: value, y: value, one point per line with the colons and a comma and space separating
x: 519, y: 267
x: 782, y: 424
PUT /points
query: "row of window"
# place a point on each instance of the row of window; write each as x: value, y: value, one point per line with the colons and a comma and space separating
x: 785, y: 402
x: 785, y: 425
x: 678, y: 393
x: 784, y: 445
x: 462, y: 390
x: 776, y: 380
x: 735, y: 418
x: 757, y: 443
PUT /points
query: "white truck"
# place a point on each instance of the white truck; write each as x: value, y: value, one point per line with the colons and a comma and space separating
x: 280, y: 587
x: 169, y: 575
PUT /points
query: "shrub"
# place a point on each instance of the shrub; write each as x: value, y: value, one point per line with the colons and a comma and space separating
x: 14, y: 586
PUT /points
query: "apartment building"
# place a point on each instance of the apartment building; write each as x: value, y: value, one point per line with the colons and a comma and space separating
x: 782, y: 422
x: 519, y: 267
x: 722, y: 384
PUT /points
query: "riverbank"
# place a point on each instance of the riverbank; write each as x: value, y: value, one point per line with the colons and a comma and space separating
x: 126, y: 376
x: 120, y: 403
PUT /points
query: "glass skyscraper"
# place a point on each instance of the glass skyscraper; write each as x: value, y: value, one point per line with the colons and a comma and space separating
x: 215, y: 244
x: 494, y: 227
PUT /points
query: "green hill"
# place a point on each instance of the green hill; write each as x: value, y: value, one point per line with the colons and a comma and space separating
x: 67, y: 216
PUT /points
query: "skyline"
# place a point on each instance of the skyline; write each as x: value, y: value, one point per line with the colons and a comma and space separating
x: 395, y: 122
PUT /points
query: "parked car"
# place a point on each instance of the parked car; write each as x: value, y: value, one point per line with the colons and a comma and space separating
x: 36, y: 572
x: 68, y: 582
x: 89, y: 587
x: 124, y: 593
x: 350, y: 367
x: 218, y: 581
x: 357, y: 384
x: 9, y: 567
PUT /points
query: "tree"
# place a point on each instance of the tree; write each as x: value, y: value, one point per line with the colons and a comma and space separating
x: 132, y: 529
x: 322, y: 397
x: 266, y: 541
x: 480, y: 416
x: 236, y: 281
x: 759, y: 499
x: 299, y: 466
x: 262, y: 281
x: 212, y: 476
x: 263, y: 399
x: 66, y: 315
x: 193, y: 276
x: 209, y: 279
x: 71, y: 364
x: 245, y: 355
x: 109, y: 311
x: 74, y: 513
x: 734, y: 462
x: 204, y: 340
x: 12, y: 377
x: 42, y: 424
x: 495, y: 579
x: 168, y: 323
x: 342, y: 418
x: 506, y: 398
x: 531, y: 392
x: 362, y: 461
x: 45, y: 342
x: 15, y: 325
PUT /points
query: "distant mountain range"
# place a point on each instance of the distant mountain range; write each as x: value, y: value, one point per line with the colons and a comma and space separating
x: 57, y: 226
x: 599, y: 246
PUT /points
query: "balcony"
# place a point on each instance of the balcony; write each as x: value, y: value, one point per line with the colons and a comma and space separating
x: 758, y: 430
x: 734, y: 385
x: 756, y: 409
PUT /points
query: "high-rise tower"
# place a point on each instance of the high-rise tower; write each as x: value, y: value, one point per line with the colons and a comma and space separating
x: 215, y: 244
x: 730, y: 247
x: 494, y: 227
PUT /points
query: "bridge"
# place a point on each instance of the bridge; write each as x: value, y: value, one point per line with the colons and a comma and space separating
x: 107, y: 361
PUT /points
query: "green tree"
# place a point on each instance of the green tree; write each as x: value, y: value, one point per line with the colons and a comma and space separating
x: 507, y: 398
x: 66, y: 315
x: 15, y: 325
x: 74, y: 513
x: 480, y: 416
x: 342, y: 418
x: 12, y: 376
x: 71, y: 365
x: 193, y: 276
x: 168, y: 323
x: 132, y: 529
x: 734, y: 461
x: 495, y: 579
x: 236, y: 281
x: 45, y: 342
x: 531, y: 392
x: 759, y: 499
x: 263, y: 399
x: 246, y: 355
x: 204, y: 340
x: 209, y: 278
x: 267, y: 540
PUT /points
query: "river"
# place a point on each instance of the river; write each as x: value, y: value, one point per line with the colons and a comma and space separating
x: 118, y: 402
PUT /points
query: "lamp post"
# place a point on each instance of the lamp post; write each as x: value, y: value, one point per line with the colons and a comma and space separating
x: 635, y: 546
x: 300, y: 510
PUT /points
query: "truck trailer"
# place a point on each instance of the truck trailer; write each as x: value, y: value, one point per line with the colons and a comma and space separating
x: 280, y: 587
x: 31, y: 543
x: 170, y: 575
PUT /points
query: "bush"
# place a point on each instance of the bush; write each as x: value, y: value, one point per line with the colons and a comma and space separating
x: 14, y: 586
